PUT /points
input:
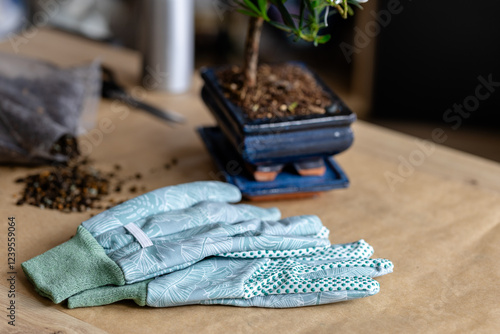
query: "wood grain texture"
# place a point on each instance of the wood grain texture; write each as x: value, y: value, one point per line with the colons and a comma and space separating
x: 440, y: 226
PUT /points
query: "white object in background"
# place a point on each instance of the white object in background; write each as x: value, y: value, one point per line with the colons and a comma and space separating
x: 168, y: 44
x: 87, y: 17
x: 11, y: 15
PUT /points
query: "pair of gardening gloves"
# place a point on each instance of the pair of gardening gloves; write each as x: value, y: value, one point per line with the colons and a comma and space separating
x: 186, y: 244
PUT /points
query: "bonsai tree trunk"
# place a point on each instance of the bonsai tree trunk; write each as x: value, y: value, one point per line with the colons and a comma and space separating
x: 251, y: 56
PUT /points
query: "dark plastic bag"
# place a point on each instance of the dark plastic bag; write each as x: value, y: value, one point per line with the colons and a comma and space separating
x: 44, y: 107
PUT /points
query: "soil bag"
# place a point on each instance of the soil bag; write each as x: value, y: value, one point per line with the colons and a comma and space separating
x: 43, y: 108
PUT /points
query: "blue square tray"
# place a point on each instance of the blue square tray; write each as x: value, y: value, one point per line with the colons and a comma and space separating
x: 288, y: 182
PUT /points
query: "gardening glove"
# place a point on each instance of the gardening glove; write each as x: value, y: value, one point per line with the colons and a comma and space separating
x: 163, y: 231
x: 337, y: 273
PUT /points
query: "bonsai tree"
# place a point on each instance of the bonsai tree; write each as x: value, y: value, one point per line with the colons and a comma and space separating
x: 281, y: 115
x: 306, y: 24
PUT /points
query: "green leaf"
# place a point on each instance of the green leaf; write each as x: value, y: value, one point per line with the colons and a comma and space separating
x: 247, y: 12
x: 305, y: 25
x: 309, y: 5
x: 252, y: 6
x: 280, y: 26
x: 262, y: 5
x: 263, y: 9
x: 285, y: 15
x: 301, y: 14
x: 312, y: 6
x: 323, y: 39
x: 350, y: 11
x: 355, y: 3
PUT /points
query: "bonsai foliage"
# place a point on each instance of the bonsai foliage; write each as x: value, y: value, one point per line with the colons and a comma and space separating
x: 306, y: 24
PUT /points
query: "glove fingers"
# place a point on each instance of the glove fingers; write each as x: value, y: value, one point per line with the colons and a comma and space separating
x: 350, y: 259
x: 217, y: 280
x: 290, y: 275
x: 355, y: 267
x: 342, y: 252
x: 205, y: 213
x: 306, y: 225
x: 161, y: 200
x: 294, y: 299
x: 304, y: 228
x: 339, y: 252
x: 290, y: 283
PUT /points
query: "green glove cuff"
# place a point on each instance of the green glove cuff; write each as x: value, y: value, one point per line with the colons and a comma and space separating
x: 110, y: 294
x: 74, y: 266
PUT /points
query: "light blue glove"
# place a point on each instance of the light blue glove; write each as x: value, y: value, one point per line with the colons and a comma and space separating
x: 171, y: 250
x: 163, y: 231
x: 336, y: 273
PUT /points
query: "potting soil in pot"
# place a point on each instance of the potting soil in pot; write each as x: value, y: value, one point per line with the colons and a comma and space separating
x: 281, y: 91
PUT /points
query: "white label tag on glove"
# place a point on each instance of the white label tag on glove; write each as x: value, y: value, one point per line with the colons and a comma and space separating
x: 139, y: 235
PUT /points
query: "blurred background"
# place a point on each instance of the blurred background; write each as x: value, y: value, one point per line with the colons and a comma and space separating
x: 412, y: 66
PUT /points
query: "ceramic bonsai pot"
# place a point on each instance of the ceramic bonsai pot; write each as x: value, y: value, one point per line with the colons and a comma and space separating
x: 287, y: 140
x: 287, y: 184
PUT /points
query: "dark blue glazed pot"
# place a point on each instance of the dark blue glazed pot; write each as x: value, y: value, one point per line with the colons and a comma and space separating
x: 291, y: 139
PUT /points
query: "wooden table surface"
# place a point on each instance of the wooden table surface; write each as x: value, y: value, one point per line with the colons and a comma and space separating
x: 438, y: 220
